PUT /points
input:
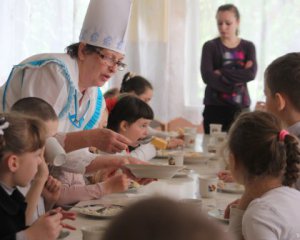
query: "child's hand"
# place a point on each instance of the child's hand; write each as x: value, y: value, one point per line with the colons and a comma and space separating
x: 46, y: 227
x: 43, y: 172
x: 51, y: 192
x: 117, y: 183
x: 260, y: 106
x: 225, y: 175
x: 174, y: 143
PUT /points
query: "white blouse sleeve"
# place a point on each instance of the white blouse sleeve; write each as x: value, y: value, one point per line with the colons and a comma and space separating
x: 77, y: 161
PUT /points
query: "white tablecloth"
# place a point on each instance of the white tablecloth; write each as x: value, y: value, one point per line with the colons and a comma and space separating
x: 176, y: 188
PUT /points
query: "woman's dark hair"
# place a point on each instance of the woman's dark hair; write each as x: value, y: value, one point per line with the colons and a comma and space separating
x: 72, y: 49
x: 136, y: 84
x: 254, y: 141
x: 129, y: 109
x: 283, y: 76
x: 231, y: 8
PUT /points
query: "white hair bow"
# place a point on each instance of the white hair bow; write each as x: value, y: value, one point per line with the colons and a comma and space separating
x: 3, y: 126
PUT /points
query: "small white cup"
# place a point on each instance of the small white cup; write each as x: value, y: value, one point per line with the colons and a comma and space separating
x: 54, y: 153
x: 189, y: 140
x: 93, y: 232
x: 176, y: 158
x: 208, y: 186
x: 220, y: 137
x: 213, y: 127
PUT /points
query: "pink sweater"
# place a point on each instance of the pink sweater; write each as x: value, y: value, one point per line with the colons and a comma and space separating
x: 74, y: 189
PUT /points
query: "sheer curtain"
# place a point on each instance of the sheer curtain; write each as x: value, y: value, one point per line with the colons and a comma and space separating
x: 165, y: 41
x: 29, y: 27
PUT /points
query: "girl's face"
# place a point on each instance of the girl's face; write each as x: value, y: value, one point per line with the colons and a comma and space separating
x: 28, y: 167
x: 95, y: 69
x: 227, y: 24
x: 147, y: 95
x: 135, y: 131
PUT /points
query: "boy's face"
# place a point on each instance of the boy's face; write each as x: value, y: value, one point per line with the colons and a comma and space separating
x: 51, y: 126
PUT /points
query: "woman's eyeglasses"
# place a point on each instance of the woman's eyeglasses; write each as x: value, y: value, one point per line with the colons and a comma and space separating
x: 111, y: 62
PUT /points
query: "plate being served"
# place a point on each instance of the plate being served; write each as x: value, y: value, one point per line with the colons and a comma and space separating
x: 231, y: 188
x: 101, y: 210
x: 219, y: 215
x: 153, y: 170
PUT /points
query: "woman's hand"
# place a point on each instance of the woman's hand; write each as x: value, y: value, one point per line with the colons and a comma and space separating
x: 248, y: 64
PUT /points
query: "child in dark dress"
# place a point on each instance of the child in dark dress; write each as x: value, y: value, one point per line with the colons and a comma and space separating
x: 22, y: 142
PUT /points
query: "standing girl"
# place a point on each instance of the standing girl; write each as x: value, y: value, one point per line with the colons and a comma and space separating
x: 227, y: 64
x: 264, y: 158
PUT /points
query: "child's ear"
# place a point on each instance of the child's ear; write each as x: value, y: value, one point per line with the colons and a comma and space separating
x: 81, y: 53
x: 280, y: 101
x: 13, y: 162
x: 123, y: 126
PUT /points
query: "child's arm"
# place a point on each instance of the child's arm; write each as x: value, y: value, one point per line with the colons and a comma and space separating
x: 72, y: 193
x: 51, y: 192
x: 35, y: 191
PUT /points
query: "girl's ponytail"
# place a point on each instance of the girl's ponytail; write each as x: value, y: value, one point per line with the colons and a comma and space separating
x: 292, y: 160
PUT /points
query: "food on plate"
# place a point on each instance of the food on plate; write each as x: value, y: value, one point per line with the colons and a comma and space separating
x: 102, y: 210
x: 133, y: 185
x: 159, y: 143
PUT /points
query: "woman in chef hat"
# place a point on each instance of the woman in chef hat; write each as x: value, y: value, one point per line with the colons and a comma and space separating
x: 71, y: 81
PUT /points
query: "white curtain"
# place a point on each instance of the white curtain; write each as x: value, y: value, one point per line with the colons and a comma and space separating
x: 165, y: 41
x: 29, y: 27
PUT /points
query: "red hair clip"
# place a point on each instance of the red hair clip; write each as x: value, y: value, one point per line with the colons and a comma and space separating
x: 110, y: 103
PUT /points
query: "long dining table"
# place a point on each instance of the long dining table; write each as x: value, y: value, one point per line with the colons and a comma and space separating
x: 179, y: 187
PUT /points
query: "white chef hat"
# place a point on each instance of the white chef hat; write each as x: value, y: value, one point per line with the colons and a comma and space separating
x: 105, y: 24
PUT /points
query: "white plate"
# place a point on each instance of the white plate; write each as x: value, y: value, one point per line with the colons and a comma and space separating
x: 195, y: 157
x: 153, y: 171
x: 100, y: 211
x: 217, y: 214
x: 231, y: 188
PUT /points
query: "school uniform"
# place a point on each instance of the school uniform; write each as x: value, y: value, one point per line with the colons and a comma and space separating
x: 12, y: 213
